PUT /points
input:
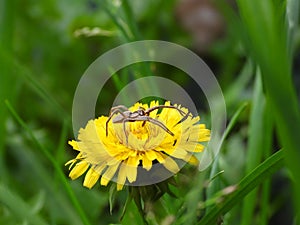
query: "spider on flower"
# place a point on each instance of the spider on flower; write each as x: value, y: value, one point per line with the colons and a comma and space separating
x: 124, y: 115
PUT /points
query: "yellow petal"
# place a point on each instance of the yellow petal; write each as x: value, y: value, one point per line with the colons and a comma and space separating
x: 104, y: 181
x: 109, y: 173
x: 178, y: 153
x: 78, y: 170
x: 150, y: 155
x: 171, y: 165
x: 112, y: 161
x: 193, y: 147
x: 159, y: 156
x: 121, y: 176
x: 204, y: 138
x: 72, y: 161
x: 131, y: 170
x: 193, y: 161
x: 120, y: 187
x: 147, y: 164
x: 74, y: 145
x: 133, y: 161
x: 154, y: 112
x: 131, y: 173
x: 91, y: 178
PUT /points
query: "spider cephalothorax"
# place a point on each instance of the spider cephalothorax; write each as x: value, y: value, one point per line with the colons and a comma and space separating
x: 125, y: 115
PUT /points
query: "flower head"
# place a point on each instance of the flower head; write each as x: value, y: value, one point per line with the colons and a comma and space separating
x: 137, y: 151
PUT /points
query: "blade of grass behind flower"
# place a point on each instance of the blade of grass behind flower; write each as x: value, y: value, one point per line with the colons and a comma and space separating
x: 60, y: 150
x: 129, y: 31
x: 53, y: 161
x: 132, y: 217
x: 259, y: 141
x: 62, y: 141
x: 292, y: 12
x: 107, y: 6
x: 20, y: 208
x: 131, y: 21
x: 233, y: 93
x: 215, y: 184
x: 120, y: 83
x: 27, y: 76
x: 268, y: 43
x: 267, y: 151
x: 233, y: 121
x: 56, y: 197
x: 186, y: 214
x: 7, y: 80
x: 117, y: 81
x: 40, y: 90
x: 245, y: 186
x: 230, y: 96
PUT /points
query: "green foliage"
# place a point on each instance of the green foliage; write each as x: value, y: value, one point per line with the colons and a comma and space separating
x: 46, y: 46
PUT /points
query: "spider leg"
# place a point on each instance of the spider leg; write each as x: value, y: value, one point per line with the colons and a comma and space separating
x: 154, y: 121
x: 124, y: 129
x: 160, y: 124
x: 145, y: 119
x: 113, y: 111
x: 119, y: 107
x: 130, y: 120
x: 143, y: 124
x: 183, y: 118
x: 147, y: 112
x: 164, y: 106
x: 185, y: 115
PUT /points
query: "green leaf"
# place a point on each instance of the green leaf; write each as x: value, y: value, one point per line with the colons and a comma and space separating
x: 7, y: 79
x: 259, y: 142
x: 247, y: 184
x: 20, y: 209
x: 215, y: 186
x: 111, y: 196
x: 55, y: 164
x: 268, y: 44
x: 136, y: 195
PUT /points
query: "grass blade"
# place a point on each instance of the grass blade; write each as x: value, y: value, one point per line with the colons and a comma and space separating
x: 56, y: 166
x: 247, y: 184
x: 214, y: 187
x: 292, y: 13
x: 7, y: 81
x: 19, y: 207
x: 268, y: 43
x: 260, y: 133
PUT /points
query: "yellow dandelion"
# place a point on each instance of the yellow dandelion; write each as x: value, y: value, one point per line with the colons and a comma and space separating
x: 142, y: 150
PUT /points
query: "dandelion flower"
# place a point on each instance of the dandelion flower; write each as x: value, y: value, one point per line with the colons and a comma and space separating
x: 143, y: 152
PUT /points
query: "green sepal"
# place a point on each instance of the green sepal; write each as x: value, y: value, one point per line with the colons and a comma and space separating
x: 134, y: 192
x: 111, y: 196
x: 128, y: 200
x: 164, y: 187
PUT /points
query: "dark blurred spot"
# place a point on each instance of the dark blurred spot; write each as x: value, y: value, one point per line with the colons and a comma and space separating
x: 282, y: 200
x: 92, y: 5
x: 296, y: 74
x: 202, y: 19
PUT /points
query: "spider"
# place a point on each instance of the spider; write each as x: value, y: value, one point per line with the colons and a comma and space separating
x: 125, y: 115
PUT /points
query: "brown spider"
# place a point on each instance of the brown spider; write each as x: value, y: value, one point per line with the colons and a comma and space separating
x: 125, y: 115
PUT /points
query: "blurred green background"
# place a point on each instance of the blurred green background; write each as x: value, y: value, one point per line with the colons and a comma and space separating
x: 252, y: 46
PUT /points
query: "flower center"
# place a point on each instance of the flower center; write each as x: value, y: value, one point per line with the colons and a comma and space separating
x: 139, y: 130
x: 140, y: 135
